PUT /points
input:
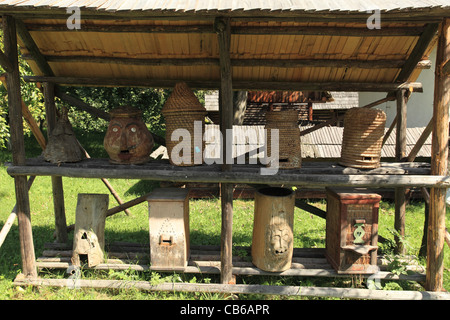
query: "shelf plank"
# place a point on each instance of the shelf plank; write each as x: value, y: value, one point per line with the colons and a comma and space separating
x: 310, y: 175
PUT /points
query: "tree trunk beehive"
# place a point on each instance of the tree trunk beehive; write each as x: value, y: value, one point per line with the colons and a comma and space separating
x: 89, y: 235
x: 169, y: 228
x: 352, y: 230
x: 272, y: 244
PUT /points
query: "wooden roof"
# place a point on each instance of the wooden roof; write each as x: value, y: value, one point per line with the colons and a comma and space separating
x: 275, y: 45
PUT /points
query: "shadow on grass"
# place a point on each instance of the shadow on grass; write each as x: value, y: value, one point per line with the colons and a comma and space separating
x: 142, y: 187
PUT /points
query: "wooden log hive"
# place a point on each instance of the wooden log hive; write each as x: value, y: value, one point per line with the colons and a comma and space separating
x: 362, y: 138
x: 273, y: 241
x: 89, y: 235
x: 181, y: 111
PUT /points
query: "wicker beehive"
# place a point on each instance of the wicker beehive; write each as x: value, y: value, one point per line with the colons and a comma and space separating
x: 289, y: 146
x: 62, y: 144
x: 362, y: 138
x: 180, y: 111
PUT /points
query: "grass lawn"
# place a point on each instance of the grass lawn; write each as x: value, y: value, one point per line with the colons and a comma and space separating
x: 205, y: 225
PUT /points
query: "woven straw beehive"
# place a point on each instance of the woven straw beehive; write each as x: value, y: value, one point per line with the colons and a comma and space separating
x: 363, y: 137
x: 285, y: 121
x: 180, y: 111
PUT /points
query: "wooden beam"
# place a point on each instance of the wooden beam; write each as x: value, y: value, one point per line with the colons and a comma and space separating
x: 391, y: 128
x: 5, y: 63
x: 439, y: 161
x: 419, y: 50
x: 237, y: 85
x: 33, y: 49
x: 95, y: 168
x: 248, y: 30
x: 18, y: 148
x: 29, y: 119
x: 57, y: 183
x: 281, y: 63
x: 349, y: 293
x: 423, y: 137
x: 446, y: 68
x: 222, y: 28
x: 9, y: 222
x: 400, y: 141
x: 396, y: 16
x: 400, y: 153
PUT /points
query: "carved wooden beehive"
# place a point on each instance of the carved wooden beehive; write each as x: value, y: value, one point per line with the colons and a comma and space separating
x: 273, y: 243
x: 89, y: 234
x: 352, y: 230
x: 169, y: 228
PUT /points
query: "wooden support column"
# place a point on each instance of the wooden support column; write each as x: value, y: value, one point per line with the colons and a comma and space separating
x: 57, y: 183
x: 18, y: 148
x: 439, y: 159
x: 400, y: 154
x: 223, y: 30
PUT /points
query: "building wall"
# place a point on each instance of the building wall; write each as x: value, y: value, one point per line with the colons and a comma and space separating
x: 420, y: 105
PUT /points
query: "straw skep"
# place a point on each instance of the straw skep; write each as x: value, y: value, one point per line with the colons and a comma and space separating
x: 289, y: 137
x: 180, y: 111
x: 362, y: 138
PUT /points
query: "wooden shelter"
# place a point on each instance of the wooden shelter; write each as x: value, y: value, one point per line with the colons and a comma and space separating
x: 295, y: 45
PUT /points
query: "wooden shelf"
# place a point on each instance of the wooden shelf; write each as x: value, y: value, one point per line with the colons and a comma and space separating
x: 307, y: 262
x: 312, y: 174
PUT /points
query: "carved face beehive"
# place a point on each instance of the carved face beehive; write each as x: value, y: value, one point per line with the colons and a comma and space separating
x: 169, y: 228
x: 352, y: 230
x: 272, y: 244
x: 127, y: 140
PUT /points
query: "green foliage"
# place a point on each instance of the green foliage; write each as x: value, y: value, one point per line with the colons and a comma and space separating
x: 148, y: 100
x: 4, y: 128
x: 33, y: 98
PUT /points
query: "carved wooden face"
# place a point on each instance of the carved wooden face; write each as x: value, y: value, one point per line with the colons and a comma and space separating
x: 279, y: 239
x: 128, y: 141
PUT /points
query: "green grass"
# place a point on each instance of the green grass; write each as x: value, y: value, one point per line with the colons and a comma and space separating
x: 205, y: 225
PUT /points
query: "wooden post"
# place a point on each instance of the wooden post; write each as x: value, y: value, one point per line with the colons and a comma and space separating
x: 400, y: 153
x: 439, y: 154
x: 57, y: 183
x: 18, y: 149
x: 223, y: 30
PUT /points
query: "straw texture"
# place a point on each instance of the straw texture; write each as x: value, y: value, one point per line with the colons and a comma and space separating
x: 181, y: 110
x: 362, y: 138
x: 289, y: 145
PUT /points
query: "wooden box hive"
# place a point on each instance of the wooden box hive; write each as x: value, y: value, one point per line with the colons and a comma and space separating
x: 352, y: 230
x: 169, y: 228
